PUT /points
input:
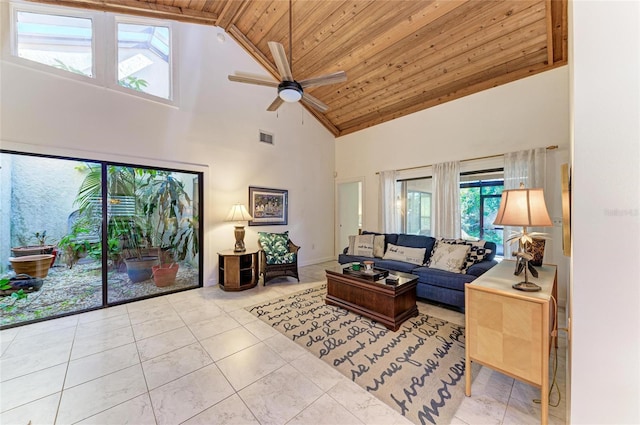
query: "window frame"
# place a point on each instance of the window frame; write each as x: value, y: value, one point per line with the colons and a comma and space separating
x: 15, y: 8
x: 103, y: 44
x: 112, y: 48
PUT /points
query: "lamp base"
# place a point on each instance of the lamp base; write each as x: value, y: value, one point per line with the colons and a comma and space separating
x: 239, y: 235
x: 526, y: 286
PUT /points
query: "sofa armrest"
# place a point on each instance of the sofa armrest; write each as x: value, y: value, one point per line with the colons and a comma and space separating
x: 481, y: 267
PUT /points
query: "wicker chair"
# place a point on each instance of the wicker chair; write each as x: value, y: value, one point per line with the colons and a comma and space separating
x: 272, y: 271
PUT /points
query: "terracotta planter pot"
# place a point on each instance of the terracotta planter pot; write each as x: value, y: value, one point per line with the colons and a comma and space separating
x: 33, y: 265
x: 165, y: 274
x: 21, y: 251
x: 139, y: 269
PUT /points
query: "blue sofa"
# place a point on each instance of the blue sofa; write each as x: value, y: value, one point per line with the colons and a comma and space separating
x: 436, y: 285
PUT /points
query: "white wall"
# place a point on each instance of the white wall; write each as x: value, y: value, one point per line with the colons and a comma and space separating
x: 214, y: 130
x: 605, y: 287
x: 529, y: 113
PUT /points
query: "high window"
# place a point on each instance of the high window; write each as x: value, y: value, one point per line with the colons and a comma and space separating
x: 63, y: 42
x: 117, y: 52
x: 144, y: 58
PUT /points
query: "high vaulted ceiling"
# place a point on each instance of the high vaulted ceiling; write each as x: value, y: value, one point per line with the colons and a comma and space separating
x: 400, y: 56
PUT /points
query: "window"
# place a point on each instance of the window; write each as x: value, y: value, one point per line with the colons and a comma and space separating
x: 97, y: 250
x: 415, y: 206
x: 114, y: 51
x: 64, y: 42
x: 144, y: 54
x: 480, y: 195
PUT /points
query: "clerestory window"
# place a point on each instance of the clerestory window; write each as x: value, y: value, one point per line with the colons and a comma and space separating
x: 118, y: 52
x: 59, y: 41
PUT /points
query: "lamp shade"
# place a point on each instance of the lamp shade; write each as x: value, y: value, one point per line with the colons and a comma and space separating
x: 523, y: 207
x: 238, y: 213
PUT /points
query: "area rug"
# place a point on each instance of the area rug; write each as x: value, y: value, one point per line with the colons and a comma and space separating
x: 417, y: 370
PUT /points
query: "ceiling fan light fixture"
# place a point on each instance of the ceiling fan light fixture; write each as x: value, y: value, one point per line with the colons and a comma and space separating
x: 290, y: 91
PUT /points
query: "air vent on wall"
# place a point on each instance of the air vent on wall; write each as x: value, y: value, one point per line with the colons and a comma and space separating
x: 266, y: 137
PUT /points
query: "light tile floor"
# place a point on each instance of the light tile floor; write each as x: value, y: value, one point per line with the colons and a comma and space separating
x: 198, y: 357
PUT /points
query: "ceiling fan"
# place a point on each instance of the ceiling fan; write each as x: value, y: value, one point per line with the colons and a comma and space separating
x: 290, y: 90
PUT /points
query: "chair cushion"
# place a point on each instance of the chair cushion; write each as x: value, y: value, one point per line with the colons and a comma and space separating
x: 276, y: 247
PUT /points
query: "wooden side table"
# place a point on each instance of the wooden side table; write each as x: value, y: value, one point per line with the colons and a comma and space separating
x: 237, y: 271
x: 510, y: 330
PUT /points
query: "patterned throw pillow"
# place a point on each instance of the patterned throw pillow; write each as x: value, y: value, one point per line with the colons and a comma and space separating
x: 405, y: 253
x: 449, y: 257
x: 276, y: 247
x: 475, y: 256
x: 477, y: 253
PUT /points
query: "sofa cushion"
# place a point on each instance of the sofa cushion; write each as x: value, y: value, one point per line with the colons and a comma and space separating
x: 449, y: 257
x: 442, y: 278
x: 405, y: 253
x: 362, y: 245
x: 394, y: 265
x: 481, y: 267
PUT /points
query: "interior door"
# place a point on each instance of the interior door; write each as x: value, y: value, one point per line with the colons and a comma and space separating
x: 349, y: 212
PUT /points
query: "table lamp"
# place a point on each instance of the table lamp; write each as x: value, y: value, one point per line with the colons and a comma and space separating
x: 239, y: 213
x: 526, y: 208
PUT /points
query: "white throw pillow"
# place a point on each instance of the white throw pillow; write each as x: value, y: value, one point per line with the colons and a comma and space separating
x: 362, y: 245
x: 405, y: 253
x: 378, y: 246
x: 449, y: 257
x: 352, y: 243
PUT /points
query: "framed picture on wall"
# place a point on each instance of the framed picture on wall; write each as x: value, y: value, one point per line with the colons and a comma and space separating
x: 268, y: 206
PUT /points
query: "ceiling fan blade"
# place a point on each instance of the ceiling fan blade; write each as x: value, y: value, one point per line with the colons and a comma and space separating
x: 314, y: 102
x: 253, y: 80
x: 336, y: 77
x: 275, y: 104
x: 279, y: 55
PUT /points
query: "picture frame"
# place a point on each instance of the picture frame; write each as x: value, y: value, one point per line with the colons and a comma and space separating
x: 268, y: 206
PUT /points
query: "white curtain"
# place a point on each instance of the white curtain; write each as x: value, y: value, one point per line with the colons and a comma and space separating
x: 388, y: 209
x: 446, y: 200
x: 530, y: 168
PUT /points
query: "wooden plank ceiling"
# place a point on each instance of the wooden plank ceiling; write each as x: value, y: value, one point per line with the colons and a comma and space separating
x: 400, y: 56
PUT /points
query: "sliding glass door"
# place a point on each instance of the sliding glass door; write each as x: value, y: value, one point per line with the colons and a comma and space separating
x: 77, y: 235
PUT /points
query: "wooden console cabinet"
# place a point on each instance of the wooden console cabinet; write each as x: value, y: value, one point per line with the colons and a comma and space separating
x: 237, y: 271
x: 510, y: 330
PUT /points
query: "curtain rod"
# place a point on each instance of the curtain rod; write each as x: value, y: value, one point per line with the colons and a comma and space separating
x: 549, y: 148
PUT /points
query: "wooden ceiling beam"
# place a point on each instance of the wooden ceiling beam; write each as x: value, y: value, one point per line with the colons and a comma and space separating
x: 134, y: 7
x: 230, y: 12
x: 549, y: 21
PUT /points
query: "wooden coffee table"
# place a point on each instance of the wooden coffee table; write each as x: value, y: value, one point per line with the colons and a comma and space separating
x: 385, y: 303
